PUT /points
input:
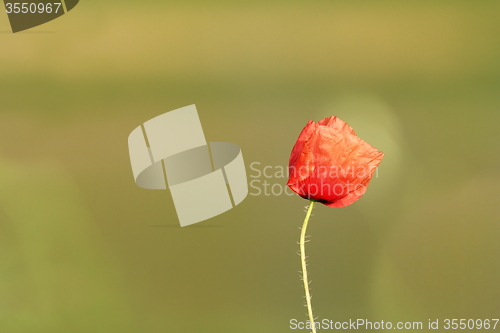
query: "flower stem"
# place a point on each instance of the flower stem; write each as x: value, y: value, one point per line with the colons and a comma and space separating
x: 304, y: 265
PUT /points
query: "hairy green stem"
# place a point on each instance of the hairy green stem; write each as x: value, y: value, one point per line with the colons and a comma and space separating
x: 304, y: 265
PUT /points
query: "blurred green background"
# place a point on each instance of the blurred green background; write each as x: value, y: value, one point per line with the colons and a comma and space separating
x: 83, y: 249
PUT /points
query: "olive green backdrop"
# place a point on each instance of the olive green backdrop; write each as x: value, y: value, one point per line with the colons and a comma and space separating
x: 83, y: 249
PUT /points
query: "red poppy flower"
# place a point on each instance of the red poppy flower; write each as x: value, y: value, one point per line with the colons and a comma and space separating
x: 331, y: 164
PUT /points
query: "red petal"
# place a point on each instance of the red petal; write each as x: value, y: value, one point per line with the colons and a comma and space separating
x: 306, y: 133
x: 330, y: 164
x: 337, y: 124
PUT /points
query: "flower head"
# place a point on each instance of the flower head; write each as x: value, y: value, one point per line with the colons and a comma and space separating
x: 331, y: 164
